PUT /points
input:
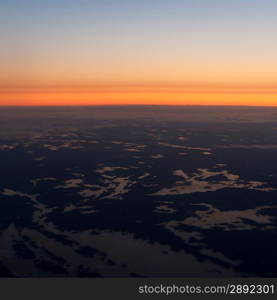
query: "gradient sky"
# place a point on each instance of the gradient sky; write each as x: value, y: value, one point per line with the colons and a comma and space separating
x: 68, y: 52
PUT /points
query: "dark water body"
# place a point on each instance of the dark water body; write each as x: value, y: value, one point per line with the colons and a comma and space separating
x: 138, y: 191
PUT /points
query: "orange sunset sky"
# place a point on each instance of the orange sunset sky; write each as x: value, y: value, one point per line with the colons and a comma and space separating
x: 190, y: 52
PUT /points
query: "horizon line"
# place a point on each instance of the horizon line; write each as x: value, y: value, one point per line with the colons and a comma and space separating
x: 160, y: 105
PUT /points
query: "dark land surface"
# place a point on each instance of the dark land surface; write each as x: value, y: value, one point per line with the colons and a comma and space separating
x: 138, y: 191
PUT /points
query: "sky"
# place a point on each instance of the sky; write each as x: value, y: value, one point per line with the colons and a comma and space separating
x: 179, y: 52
